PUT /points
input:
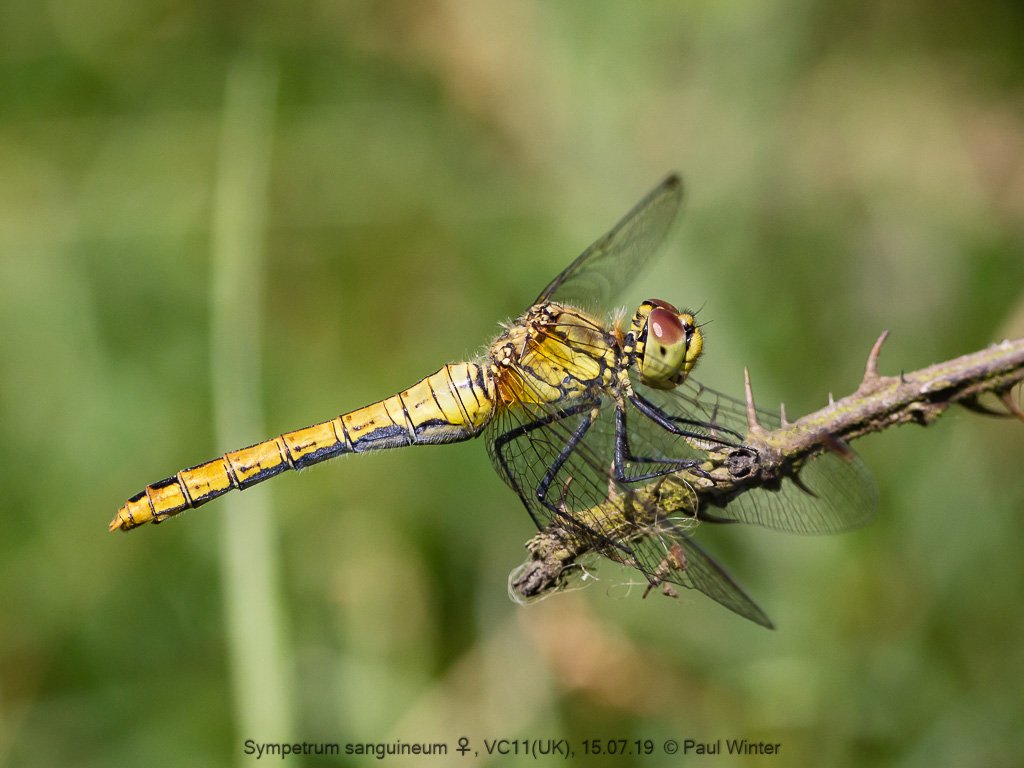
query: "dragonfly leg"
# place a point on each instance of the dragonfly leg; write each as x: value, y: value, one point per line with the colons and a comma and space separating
x: 541, y: 492
x: 503, y: 440
x: 623, y: 454
x: 545, y: 484
x: 702, y: 431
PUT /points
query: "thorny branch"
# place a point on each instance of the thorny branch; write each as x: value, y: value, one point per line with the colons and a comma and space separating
x: 884, y: 401
x: 768, y: 456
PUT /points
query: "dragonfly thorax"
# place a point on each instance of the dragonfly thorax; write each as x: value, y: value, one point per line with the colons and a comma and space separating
x: 666, y: 343
x: 554, y: 353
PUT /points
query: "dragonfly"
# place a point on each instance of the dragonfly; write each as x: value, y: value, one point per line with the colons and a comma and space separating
x: 591, y: 417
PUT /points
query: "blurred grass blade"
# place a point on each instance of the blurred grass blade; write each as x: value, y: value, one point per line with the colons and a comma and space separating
x: 259, y: 656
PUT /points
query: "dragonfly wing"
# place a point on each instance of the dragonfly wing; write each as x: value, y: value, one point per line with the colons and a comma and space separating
x: 607, y: 266
x: 842, y: 496
x: 538, y: 446
x: 673, y: 556
x: 594, y: 514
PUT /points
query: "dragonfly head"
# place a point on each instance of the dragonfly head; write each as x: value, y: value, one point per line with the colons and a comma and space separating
x: 668, y: 343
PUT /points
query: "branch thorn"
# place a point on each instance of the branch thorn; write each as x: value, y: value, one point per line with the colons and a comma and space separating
x: 799, y: 483
x: 871, y: 370
x: 782, y: 415
x: 973, y: 403
x: 838, y: 446
x: 752, y: 423
x: 1011, y: 404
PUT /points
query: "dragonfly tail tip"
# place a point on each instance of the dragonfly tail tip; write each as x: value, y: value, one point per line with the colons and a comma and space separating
x: 121, y: 522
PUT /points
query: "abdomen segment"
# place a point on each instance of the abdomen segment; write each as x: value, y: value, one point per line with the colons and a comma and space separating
x: 449, y: 406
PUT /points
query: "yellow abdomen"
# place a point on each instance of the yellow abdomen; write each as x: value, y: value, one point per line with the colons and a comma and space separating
x: 449, y: 406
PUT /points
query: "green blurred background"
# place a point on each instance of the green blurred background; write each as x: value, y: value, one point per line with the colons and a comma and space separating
x: 377, y: 185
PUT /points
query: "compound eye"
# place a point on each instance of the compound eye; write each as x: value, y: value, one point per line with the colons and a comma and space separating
x: 665, y: 351
x: 665, y: 326
x: 663, y: 304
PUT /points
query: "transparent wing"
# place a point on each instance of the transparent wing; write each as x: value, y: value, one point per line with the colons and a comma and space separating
x: 844, y: 494
x: 673, y: 556
x: 611, y: 263
x: 557, y: 458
